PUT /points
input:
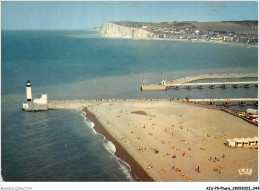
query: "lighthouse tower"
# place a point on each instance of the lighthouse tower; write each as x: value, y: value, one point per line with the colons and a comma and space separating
x: 28, y: 91
x: 38, y: 104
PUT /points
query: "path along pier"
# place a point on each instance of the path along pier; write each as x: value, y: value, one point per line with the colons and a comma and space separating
x: 184, y: 82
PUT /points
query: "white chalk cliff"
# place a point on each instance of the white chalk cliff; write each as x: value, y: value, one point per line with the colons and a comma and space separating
x: 112, y: 30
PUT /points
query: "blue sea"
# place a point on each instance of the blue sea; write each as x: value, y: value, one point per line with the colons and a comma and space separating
x: 62, y: 145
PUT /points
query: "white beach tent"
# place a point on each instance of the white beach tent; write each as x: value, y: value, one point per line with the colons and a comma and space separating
x: 245, y: 142
x: 231, y: 143
x: 251, y: 141
x: 238, y: 142
x: 256, y: 140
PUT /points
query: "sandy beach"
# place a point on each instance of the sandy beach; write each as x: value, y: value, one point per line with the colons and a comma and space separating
x: 173, y: 141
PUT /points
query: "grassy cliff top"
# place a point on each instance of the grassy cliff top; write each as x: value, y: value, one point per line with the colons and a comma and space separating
x: 245, y: 27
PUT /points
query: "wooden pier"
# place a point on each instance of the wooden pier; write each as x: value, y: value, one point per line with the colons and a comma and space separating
x: 214, y: 84
x: 214, y: 76
x: 184, y: 82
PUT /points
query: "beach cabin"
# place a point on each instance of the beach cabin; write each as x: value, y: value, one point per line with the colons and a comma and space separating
x: 230, y: 143
x: 256, y: 140
x: 252, y: 111
x: 251, y: 141
x: 245, y: 142
x: 238, y: 142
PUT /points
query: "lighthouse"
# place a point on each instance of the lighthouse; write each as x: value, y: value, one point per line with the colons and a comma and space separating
x: 28, y: 91
x: 38, y: 104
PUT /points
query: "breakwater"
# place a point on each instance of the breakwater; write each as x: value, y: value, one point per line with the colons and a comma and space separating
x: 80, y: 104
x: 70, y: 104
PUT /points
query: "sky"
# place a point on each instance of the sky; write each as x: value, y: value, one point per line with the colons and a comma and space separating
x: 31, y: 15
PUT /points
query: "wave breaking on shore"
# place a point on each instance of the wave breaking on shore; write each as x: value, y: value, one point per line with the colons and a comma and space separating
x: 110, y: 147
